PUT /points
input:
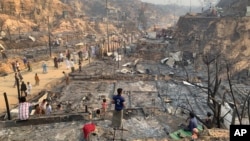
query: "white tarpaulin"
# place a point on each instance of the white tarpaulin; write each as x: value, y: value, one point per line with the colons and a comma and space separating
x: 32, y: 38
x: 171, y: 62
x: 140, y: 68
x: 1, y: 47
x: 79, y: 44
x: 177, y: 56
x: 164, y: 60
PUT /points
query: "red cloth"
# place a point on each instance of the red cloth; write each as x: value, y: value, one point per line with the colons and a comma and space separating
x: 87, y: 129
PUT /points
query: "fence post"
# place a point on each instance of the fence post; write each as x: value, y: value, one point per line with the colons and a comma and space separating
x: 7, y: 105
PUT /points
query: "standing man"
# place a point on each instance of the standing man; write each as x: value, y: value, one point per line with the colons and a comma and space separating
x: 17, y: 65
x: 16, y: 80
x: 44, y: 65
x: 23, y: 89
x: 29, y: 66
x: 29, y: 88
x: 13, y: 64
x: 68, y: 54
x: 80, y: 66
x: 55, y: 62
x: 25, y: 62
x: 80, y: 55
x: 61, y: 57
x: 118, y: 100
x: 37, y: 79
x: 72, y: 65
x: 19, y: 75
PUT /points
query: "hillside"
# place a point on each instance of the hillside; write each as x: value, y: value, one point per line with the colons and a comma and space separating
x: 71, y: 20
x: 227, y: 35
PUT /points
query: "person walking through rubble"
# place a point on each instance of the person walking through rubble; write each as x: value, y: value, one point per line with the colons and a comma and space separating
x: 118, y: 100
x: 80, y: 55
x: 23, y: 89
x: 29, y: 66
x: 13, y: 64
x: 72, y: 65
x: 25, y: 62
x: 67, y: 62
x: 68, y: 54
x: 55, y: 62
x: 17, y: 65
x: 66, y: 77
x: 37, y: 80
x: 80, y: 66
x: 29, y: 88
x: 44, y: 65
x: 16, y: 80
x: 19, y: 75
x: 61, y: 57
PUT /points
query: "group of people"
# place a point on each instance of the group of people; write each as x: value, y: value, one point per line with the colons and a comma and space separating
x: 119, y: 102
x: 25, y: 88
x: 44, y: 108
x: 16, y: 65
x: 70, y: 60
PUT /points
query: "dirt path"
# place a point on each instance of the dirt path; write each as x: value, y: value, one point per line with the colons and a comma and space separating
x: 6, y: 83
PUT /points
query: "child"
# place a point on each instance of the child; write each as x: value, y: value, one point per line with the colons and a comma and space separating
x: 38, y: 110
x: 48, y: 109
x: 104, y: 107
x: 59, y: 107
x: 195, y: 134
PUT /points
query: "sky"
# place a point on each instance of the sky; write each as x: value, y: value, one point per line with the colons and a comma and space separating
x: 179, y: 2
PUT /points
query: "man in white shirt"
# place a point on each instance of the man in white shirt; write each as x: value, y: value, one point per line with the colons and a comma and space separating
x: 29, y: 88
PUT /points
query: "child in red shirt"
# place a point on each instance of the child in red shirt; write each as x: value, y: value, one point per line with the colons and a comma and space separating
x: 104, y: 106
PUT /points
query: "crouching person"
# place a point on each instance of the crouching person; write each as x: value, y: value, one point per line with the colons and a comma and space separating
x: 23, y: 109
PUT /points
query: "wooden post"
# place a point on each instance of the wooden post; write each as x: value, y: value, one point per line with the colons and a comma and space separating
x: 18, y: 88
x: 50, y: 54
x: 89, y: 52
x: 7, y: 105
x: 233, y: 116
x: 86, y: 108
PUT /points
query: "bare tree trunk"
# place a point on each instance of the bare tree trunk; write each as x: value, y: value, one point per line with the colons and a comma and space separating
x: 244, y: 105
x: 233, y: 116
x: 248, y: 110
x: 8, y: 31
x: 232, y: 93
x: 218, y: 115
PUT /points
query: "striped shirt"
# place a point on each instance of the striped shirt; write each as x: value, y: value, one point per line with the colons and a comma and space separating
x: 23, y: 111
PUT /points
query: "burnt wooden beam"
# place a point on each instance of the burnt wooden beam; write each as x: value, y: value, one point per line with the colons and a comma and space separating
x: 43, y: 120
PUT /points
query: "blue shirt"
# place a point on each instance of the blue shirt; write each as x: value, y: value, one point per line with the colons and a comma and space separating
x: 192, y: 124
x: 118, y: 101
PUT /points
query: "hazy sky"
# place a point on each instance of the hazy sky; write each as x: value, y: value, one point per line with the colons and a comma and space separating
x: 179, y: 2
